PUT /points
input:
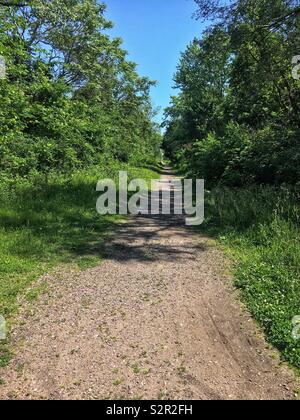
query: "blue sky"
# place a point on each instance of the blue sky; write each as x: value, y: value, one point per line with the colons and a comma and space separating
x: 154, y: 33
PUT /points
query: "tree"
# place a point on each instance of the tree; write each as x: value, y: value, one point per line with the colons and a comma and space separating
x: 70, y: 95
x: 236, y: 119
x: 233, y: 10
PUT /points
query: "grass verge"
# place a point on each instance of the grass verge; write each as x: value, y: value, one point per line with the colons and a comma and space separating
x: 43, y: 224
x: 259, y: 229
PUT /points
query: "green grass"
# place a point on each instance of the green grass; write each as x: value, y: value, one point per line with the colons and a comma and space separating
x: 44, y: 224
x: 259, y: 228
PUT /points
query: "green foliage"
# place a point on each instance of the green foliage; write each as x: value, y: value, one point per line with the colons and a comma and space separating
x: 241, y: 157
x: 269, y: 279
x: 259, y: 228
x: 70, y: 95
x: 236, y: 120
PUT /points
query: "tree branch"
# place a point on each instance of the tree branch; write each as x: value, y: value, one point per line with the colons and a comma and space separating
x: 282, y: 19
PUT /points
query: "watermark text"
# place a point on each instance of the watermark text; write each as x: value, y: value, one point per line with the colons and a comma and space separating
x: 296, y: 67
x: 167, y: 197
x: 2, y: 68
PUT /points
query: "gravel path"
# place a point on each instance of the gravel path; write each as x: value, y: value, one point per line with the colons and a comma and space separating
x: 158, y: 318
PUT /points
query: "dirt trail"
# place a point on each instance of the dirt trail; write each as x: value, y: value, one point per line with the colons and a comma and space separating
x: 157, y: 319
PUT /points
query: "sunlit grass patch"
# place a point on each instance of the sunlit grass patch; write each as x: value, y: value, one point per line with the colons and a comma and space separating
x: 46, y: 224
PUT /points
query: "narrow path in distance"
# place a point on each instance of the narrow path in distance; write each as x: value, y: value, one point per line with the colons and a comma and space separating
x: 158, y: 319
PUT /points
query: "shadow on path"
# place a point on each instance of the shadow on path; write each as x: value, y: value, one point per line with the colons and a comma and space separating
x: 151, y: 237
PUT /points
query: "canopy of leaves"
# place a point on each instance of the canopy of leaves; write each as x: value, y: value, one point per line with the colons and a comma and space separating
x: 70, y: 94
x: 237, y: 117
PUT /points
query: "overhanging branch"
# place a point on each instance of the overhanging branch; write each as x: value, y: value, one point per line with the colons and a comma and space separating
x: 282, y: 19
